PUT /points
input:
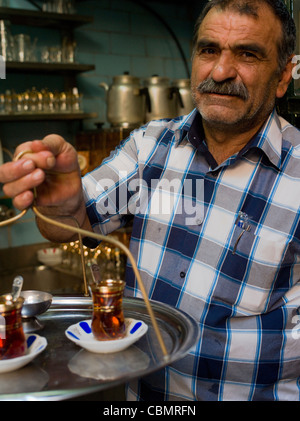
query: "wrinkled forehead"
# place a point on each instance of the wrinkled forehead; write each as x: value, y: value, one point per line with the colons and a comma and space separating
x: 255, y: 9
x: 243, y: 7
x: 255, y: 21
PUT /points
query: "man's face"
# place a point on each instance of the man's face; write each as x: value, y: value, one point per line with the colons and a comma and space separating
x: 236, y: 59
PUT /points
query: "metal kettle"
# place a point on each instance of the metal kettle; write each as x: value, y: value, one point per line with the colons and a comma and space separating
x: 162, y: 98
x: 126, y: 101
x: 184, y: 101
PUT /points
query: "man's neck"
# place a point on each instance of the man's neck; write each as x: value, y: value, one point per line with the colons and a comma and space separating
x: 222, y: 144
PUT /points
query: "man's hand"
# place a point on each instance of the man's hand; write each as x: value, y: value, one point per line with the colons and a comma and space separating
x: 51, y: 167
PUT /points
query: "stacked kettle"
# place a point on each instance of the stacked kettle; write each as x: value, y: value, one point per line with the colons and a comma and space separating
x: 131, y: 103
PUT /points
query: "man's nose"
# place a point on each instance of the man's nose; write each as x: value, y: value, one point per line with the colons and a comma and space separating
x: 224, y: 68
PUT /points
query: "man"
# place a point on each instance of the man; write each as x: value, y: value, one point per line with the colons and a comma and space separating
x: 233, y: 264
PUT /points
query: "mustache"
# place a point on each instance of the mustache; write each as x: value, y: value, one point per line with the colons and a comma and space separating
x: 209, y: 86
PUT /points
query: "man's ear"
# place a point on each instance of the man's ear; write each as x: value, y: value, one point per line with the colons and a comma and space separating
x: 285, y: 78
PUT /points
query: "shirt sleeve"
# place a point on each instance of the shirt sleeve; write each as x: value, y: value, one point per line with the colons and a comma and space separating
x: 112, y: 189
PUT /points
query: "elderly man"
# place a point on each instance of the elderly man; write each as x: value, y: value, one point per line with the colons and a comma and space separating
x: 234, y: 266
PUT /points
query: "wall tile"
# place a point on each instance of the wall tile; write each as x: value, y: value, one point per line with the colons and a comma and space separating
x: 124, y: 36
x: 127, y: 44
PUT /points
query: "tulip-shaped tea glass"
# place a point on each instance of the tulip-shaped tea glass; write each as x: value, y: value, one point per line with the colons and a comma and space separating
x: 108, y: 317
x: 12, y: 338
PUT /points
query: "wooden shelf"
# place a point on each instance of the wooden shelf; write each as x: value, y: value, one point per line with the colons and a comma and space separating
x: 61, y: 21
x: 47, y: 116
x: 49, y: 68
x: 44, y: 19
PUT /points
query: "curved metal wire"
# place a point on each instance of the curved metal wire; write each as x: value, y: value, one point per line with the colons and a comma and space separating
x: 83, y: 233
x: 120, y: 245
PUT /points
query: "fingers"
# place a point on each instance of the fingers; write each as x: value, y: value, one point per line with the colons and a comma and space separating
x: 65, y: 154
x: 23, y: 200
x: 38, y: 152
x: 37, y: 155
x: 42, y: 152
x: 21, y: 176
x: 12, y: 171
x: 32, y: 161
x: 20, y: 188
x: 34, y: 146
x: 27, y: 182
x: 55, y: 143
x: 53, y: 152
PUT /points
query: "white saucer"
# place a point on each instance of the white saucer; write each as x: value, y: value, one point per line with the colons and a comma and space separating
x: 35, y: 345
x: 82, y: 335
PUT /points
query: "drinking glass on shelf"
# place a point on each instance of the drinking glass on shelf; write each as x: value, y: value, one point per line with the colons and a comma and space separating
x: 8, y: 102
x: 45, y: 55
x: 70, y: 7
x: 68, y: 50
x: 59, y: 6
x: 22, y: 47
x: 48, y: 6
x: 55, y: 54
x: 35, y: 101
x: 4, y: 3
x: 47, y: 101
x: 25, y: 101
x: 6, y: 41
x: 32, y: 52
x: 51, y: 54
x: 76, y: 100
x: 2, y: 103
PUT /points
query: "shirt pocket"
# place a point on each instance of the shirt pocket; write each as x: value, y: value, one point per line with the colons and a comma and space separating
x: 266, y: 247
x: 264, y: 254
x: 269, y: 251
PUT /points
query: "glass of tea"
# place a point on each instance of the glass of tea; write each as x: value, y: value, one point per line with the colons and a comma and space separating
x: 12, y: 339
x: 108, y: 317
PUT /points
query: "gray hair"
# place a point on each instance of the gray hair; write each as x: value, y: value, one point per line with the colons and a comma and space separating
x: 286, y: 46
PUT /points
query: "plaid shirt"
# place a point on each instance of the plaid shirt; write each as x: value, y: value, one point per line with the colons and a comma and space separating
x: 234, y: 267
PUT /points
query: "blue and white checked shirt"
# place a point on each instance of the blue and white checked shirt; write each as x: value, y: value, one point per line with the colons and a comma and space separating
x: 244, y: 289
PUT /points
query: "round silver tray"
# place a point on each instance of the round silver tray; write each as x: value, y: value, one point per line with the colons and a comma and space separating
x: 64, y: 370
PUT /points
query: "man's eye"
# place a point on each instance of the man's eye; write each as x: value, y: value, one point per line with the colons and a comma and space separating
x: 207, y: 50
x: 249, y: 54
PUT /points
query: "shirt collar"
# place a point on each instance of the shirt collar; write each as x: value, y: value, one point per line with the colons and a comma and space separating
x: 182, y: 131
x: 268, y: 139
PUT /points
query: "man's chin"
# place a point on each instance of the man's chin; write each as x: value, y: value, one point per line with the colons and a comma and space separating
x: 221, y: 118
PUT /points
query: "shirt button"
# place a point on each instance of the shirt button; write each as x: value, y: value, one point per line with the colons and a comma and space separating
x: 182, y: 274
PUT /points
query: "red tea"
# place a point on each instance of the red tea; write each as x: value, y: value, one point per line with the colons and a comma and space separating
x: 108, y: 318
x: 12, y: 339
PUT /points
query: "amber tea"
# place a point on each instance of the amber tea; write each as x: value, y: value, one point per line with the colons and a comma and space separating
x: 108, y: 318
x: 12, y: 338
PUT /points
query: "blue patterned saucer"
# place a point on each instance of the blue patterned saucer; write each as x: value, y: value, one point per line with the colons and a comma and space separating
x: 81, y: 334
x: 35, y: 345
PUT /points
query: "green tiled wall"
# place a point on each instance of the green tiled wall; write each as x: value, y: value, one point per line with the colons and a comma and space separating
x: 123, y: 37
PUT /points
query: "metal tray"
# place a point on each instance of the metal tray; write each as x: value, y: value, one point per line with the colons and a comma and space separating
x: 64, y: 370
